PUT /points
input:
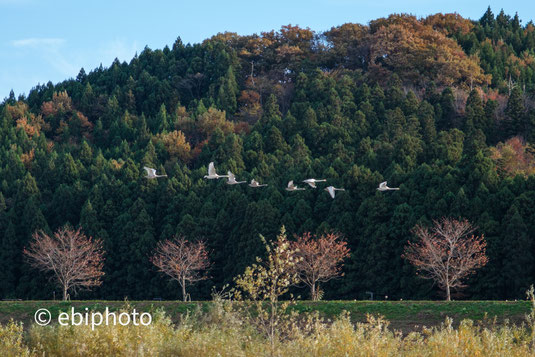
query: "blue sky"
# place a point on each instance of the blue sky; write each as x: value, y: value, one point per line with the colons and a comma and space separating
x: 51, y: 40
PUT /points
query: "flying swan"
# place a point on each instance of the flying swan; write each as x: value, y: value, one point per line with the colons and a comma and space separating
x: 384, y: 187
x: 232, y: 179
x: 312, y: 182
x: 151, y: 173
x: 292, y: 187
x: 332, y: 189
x: 255, y: 183
x: 212, y: 174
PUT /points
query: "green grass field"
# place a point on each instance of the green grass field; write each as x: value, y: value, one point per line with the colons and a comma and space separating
x: 403, y: 315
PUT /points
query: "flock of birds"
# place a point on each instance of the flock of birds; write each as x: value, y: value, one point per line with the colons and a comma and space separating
x: 231, y: 180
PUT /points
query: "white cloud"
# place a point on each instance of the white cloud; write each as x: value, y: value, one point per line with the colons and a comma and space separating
x: 38, y: 42
x: 48, y: 50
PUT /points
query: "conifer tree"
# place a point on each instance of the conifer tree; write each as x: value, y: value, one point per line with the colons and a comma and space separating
x: 515, y: 113
x: 518, y: 260
x: 228, y: 90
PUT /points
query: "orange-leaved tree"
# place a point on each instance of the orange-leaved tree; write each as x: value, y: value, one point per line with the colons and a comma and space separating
x: 320, y: 259
x: 447, y: 252
x: 75, y: 259
x: 514, y: 157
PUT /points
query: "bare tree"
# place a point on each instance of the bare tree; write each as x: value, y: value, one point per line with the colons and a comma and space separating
x: 510, y: 85
x: 182, y: 261
x: 319, y: 260
x: 193, y: 83
x: 447, y: 252
x: 75, y: 259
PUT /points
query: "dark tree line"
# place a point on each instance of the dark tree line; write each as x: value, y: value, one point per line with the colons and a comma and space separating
x: 347, y: 104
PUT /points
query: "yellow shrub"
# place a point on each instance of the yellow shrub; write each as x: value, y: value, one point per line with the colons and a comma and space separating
x: 11, y: 341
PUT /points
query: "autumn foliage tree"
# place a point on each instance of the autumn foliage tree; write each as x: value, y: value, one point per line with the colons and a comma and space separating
x: 514, y: 157
x: 410, y: 48
x: 447, y: 252
x: 75, y: 259
x: 176, y: 145
x: 61, y: 117
x: 29, y: 122
x: 266, y: 281
x: 182, y: 261
x: 319, y: 260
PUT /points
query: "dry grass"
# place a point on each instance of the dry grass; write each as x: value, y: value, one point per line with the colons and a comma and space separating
x: 223, y: 332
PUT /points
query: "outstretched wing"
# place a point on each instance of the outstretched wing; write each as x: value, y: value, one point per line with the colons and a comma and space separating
x: 291, y: 184
x: 211, y: 169
x: 382, y: 185
x: 231, y: 176
x: 150, y: 171
x: 253, y: 182
x: 331, y: 191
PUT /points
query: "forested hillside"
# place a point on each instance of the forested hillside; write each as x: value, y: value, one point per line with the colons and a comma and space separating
x: 441, y: 107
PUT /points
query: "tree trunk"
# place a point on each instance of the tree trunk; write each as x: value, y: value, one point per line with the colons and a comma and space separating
x: 183, y: 289
x: 64, y: 292
x: 448, y: 295
x: 313, y: 292
x: 272, y: 324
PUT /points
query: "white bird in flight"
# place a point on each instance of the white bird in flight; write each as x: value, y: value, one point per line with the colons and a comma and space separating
x: 151, y: 173
x: 384, y: 187
x: 232, y: 179
x: 292, y: 187
x: 255, y: 183
x: 312, y: 182
x: 332, y: 189
x: 212, y: 174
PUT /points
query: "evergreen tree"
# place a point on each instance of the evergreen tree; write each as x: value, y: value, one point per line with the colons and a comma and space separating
x: 515, y: 113
x: 10, y: 260
x: 487, y: 19
x: 518, y: 261
x: 89, y: 220
x: 228, y: 90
